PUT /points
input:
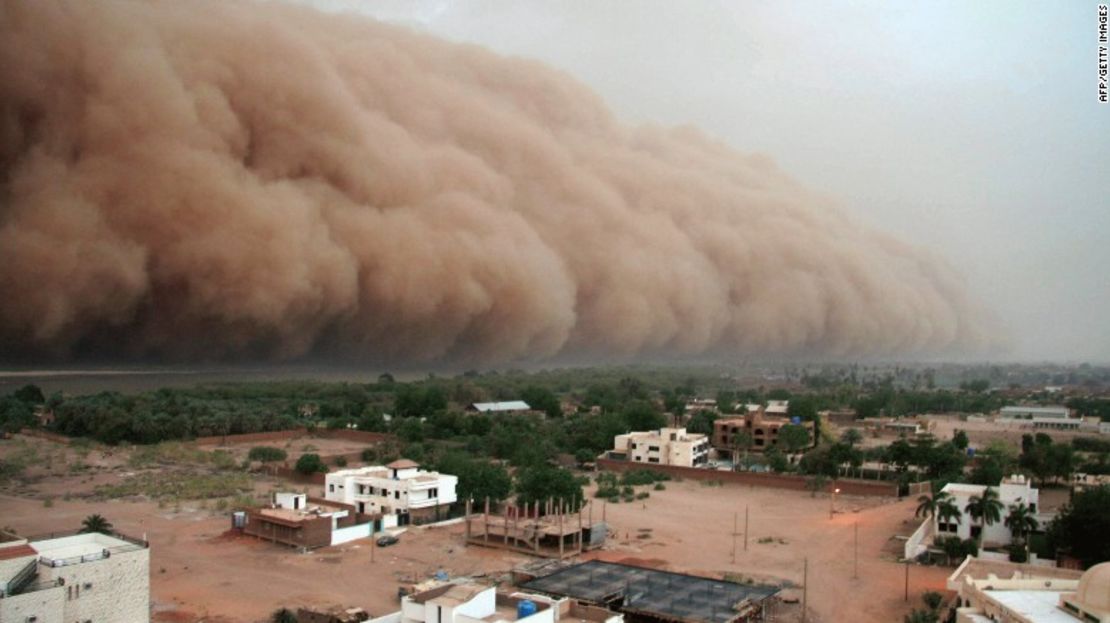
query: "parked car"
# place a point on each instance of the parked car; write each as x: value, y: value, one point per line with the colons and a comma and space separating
x: 387, y: 540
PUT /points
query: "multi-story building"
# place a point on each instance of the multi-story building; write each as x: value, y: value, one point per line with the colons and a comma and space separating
x: 761, y: 429
x: 666, y: 446
x: 1013, y: 490
x: 80, y: 577
x: 401, y: 492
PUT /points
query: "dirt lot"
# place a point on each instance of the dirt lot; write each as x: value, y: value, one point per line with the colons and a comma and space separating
x: 199, y: 572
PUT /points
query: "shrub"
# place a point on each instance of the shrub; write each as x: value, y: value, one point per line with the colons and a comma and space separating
x: 642, y: 495
x: 267, y: 454
x: 606, y: 491
x: 369, y: 455
x: 643, y: 477
x: 310, y: 464
x: 659, y: 486
x: 341, y: 461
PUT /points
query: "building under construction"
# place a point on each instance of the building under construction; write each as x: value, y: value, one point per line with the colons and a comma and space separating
x: 652, y: 596
x: 550, y: 531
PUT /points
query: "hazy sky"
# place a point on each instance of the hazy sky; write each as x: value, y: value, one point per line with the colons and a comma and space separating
x: 969, y: 128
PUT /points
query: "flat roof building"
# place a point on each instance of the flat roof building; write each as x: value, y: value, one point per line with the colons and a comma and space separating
x: 666, y: 446
x: 298, y: 520
x: 79, y: 577
x: 643, y: 594
x: 401, y: 490
x: 509, y: 406
x: 1029, y: 413
x: 991, y: 591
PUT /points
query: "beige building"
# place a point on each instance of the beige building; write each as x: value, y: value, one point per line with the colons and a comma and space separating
x: 81, y: 577
x: 1004, y: 592
x: 666, y: 446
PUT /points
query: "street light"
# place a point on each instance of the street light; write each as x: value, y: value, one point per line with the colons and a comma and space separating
x: 832, y: 501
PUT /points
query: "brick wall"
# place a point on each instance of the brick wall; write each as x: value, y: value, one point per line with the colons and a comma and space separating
x: 776, y: 481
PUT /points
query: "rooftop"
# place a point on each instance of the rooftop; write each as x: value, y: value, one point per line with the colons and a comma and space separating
x: 81, y: 547
x: 510, y: 405
x: 403, y: 464
x: 1037, y: 606
x: 651, y: 591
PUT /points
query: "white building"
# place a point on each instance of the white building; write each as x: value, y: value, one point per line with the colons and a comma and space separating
x: 666, y: 446
x: 79, y: 578
x: 400, y: 491
x: 779, y: 408
x: 510, y: 406
x: 1029, y: 413
x: 1013, y: 490
x: 476, y: 603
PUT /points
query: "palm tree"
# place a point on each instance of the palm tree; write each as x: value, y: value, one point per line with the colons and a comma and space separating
x: 96, y: 523
x: 927, y: 505
x: 947, y: 511
x: 1021, y: 522
x: 741, y: 440
x: 985, y: 509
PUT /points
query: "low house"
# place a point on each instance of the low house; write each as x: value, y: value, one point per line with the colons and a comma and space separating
x: 401, y: 492
x: 473, y: 603
x: 1031, y: 413
x: 79, y: 577
x: 666, y: 446
x: 298, y: 520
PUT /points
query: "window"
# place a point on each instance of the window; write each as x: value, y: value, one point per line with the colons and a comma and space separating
x: 87, y: 586
x: 653, y: 448
x: 653, y: 460
x: 331, y: 488
x: 433, y: 492
x: 396, y: 495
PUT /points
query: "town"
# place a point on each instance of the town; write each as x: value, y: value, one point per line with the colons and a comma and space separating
x: 754, y: 496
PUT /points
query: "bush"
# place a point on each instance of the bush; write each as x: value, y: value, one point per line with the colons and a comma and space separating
x: 643, y: 477
x: 341, y: 461
x: 643, y: 495
x: 606, y: 491
x: 310, y: 464
x: 659, y: 486
x: 266, y: 454
x: 369, y: 455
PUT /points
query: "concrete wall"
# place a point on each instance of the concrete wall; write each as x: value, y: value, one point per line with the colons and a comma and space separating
x: 47, y: 605
x: 112, y: 590
x: 352, y: 533
x: 777, y: 481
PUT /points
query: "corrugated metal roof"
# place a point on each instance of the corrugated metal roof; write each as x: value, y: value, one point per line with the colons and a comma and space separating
x: 511, y: 405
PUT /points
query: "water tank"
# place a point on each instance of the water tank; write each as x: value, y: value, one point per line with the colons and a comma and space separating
x: 525, y: 608
x: 441, y: 575
x: 238, y: 520
x: 795, y: 420
x: 971, y: 452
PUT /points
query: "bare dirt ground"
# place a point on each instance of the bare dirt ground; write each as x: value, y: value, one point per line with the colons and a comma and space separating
x: 200, y: 572
x: 296, y: 447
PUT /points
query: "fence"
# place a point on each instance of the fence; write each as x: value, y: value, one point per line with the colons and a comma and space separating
x: 295, y: 433
x: 776, y: 481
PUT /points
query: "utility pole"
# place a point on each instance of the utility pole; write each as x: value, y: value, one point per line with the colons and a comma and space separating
x: 805, y: 588
x: 734, y: 517
x: 855, y: 558
x: 907, y: 597
x: 745, y: 528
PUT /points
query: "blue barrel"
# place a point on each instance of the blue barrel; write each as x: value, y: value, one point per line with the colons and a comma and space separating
x: 525, y: 608
x: 796, y: 420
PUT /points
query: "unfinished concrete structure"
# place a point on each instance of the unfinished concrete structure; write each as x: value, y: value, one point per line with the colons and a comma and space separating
x: 556, y: 532
x: 654, y: 596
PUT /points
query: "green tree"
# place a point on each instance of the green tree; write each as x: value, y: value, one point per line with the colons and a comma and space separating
x: 984, y: 509
x: 30, y: 394
x: 478, y: 478
x: 542, y: 399
x: 540, y: 483
x: 310, y: 464
x: 1021, y: 522
x: 960, y: 440
x: 640, y: 415
x: 740, y: 442
x: 96, y: 523
x: 948, y: 512
x: 1081, y: 527
x: 851, y: 436
x: 929, y: 505
x: 793, y: 437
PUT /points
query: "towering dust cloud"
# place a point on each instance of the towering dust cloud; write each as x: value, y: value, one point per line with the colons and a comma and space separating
x: 218, y: 180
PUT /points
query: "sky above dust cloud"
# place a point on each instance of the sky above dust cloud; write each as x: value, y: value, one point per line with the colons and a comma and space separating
x: 226, y: 181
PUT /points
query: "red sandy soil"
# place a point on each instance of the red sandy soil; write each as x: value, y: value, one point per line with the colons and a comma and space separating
x: 200, y: 572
